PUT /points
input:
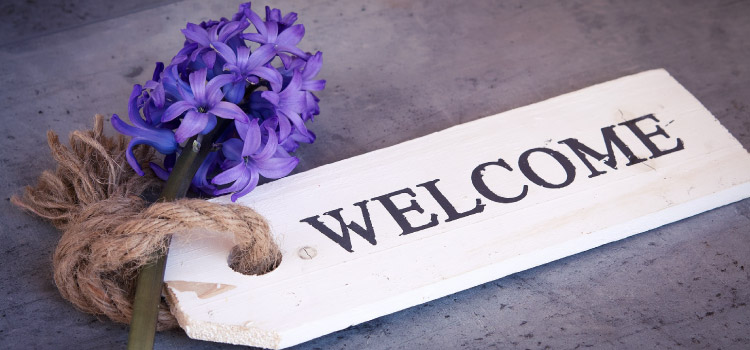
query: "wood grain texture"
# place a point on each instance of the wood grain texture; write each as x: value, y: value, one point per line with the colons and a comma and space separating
x: 311, y: 295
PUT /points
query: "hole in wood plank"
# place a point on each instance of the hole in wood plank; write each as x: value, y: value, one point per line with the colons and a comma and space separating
x: 257, y: 259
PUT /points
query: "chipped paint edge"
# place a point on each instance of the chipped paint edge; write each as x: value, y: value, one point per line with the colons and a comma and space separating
x: 232, y: 334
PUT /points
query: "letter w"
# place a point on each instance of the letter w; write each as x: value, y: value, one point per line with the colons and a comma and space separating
x: 343, y: 239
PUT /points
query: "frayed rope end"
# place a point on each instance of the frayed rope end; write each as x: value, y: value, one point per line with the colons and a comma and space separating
x: 109, y: 232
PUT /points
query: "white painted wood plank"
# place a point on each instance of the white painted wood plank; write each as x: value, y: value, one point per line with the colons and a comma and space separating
x: 306, y: 298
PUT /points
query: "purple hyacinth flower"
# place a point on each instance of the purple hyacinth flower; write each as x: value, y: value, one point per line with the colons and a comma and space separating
x: 163, y: 173
x: 269, y: 32
x: 309, y: 69
x: 240, y: 15
x: 184, y: 53
x: 246, y: 161
x: 218, y: 32
x: 163, y: 140
x: 247, y: 68
x: 199, y: 40
x: 156, y: 76
x: 154, y: 105
x: 289, y: 104
x: 309, y: 84
x: 200, y: 180
x: 202, y: 104
x: 172, y: 83
x: 284, y: 22
x: 292, y: 142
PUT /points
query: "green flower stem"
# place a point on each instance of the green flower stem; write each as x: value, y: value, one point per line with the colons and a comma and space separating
x: 151, y: 277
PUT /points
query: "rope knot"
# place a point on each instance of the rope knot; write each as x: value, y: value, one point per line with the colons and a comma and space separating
x: 109, y: 232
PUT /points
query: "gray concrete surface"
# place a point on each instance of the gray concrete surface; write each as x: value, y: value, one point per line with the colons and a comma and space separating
x: 397, y: 70
x: 22, y: 20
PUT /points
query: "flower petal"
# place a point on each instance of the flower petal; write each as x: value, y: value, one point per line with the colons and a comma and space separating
x: 191, y: 125
x: 186, y: 95
x: 197, y: 34
x: 175, y: 110
x: 231, y: 29
x: 272, y: 31
x: 235, y: 92
x: 129, y: 152
x: 210, y: 124
x: 213, y: 88
x: 313, y: 66
x: 286, y: 60
x: 255, y: 37
x: 291, y: 49
x: 289, y: 19
x: 225, y: 52
x: 133, y: 114
x: 312, y: 106
x: 241, y: 127
x: 313, y: 85
x: 161, y: 139
x: 243, y: 54
x: 299, y: 124
x: 285, y: 128
x: 292, y: 35
x: 232, y: 149
x: 270, y: 148
x: 131, y: 158
x: 228, y: 110
x: 260, y: 26
x: 248, y: 187
x: 157, y: 71
x: 229, y: 175
x: 198, y: 85
x: 252, y: 138
x: 260, y: 56
x: 294, y: 84
x: 273, y: 14
x: 158, y: 95
x: 196, y: 53
x: 209, y: 58
x: 294, y: 101
x: 272, y: 75
x: 271, y: 96
x: 160, y: 172
x: 218, y: 82
x: 275, y: 168
x: 200, y: 179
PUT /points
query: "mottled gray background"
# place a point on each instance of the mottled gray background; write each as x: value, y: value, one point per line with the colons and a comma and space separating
x: 397, y: 70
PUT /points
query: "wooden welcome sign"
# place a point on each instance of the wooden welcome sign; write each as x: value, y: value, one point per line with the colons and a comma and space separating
x: 400, y: 226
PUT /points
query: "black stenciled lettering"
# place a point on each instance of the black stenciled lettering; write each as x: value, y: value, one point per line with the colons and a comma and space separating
x: 484, y: 190
x: 646, y: 138
x: 570, y: 170
x: 444, y: 203
x: 610, y: 139
x: 344, y: 240
x: 398, y: 213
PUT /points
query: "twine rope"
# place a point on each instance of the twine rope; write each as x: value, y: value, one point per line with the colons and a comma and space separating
x: 109, y: 233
